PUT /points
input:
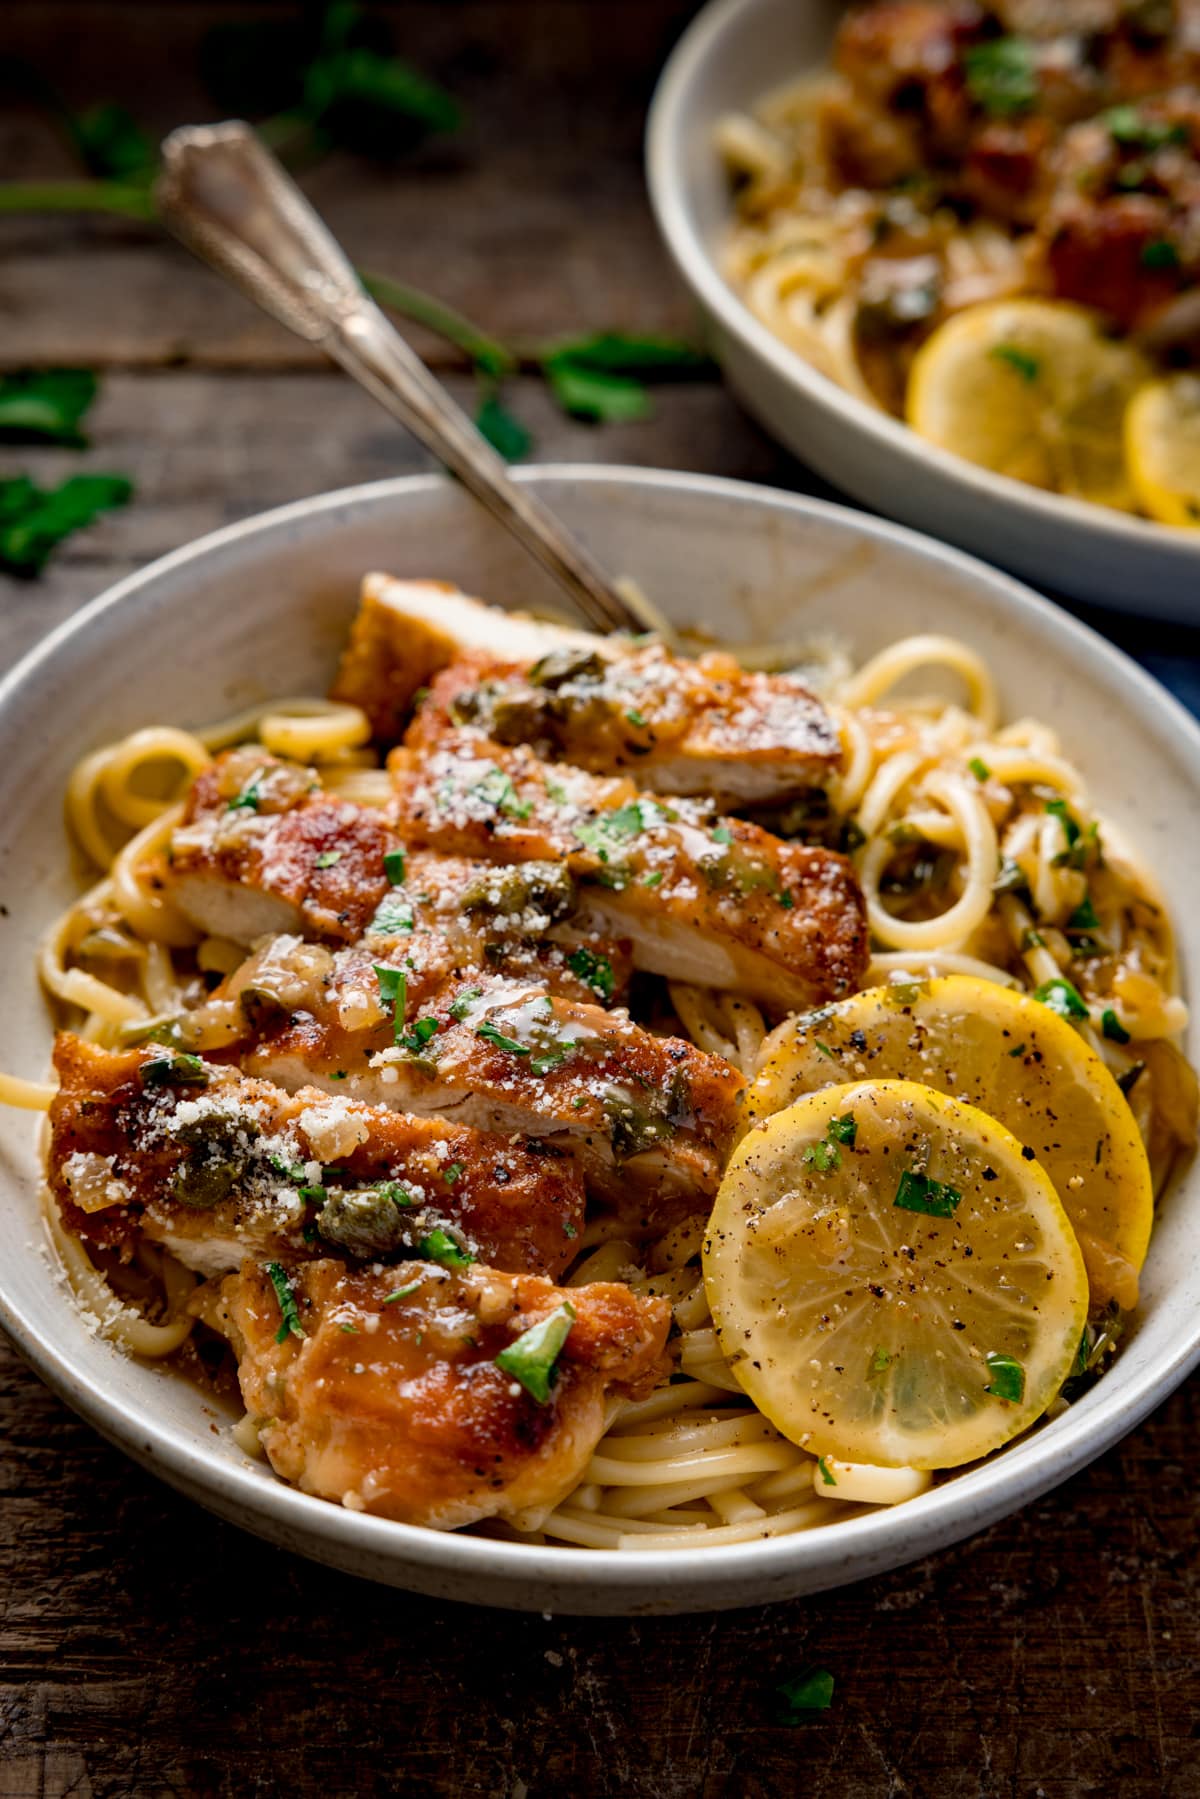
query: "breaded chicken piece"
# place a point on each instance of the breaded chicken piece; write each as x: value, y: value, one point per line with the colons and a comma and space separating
x: 262, y: 849
x: 649, y: 1119
x: 703, y: 727
x: 383, y: 1391
x: 405, y: 631
x: 216, y: 1167
x: 716, y: 901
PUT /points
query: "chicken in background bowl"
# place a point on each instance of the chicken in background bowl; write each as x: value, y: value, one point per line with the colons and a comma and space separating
x: 985, y: 220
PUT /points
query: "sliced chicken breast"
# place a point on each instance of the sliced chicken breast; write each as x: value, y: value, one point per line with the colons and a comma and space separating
x: 383, y: 1390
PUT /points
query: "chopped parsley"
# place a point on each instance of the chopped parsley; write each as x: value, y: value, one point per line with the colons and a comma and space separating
x: 491, y: 1034
x: 823, y: 1156
x: 285, y: 1294
x: 811, y: 1691
x: 844, y: 1130
x: 497, y: 789
x: 1062, y: 996
x: 1083, y: 918
x: 1059, y: 809
x: 827, y: 1476
x: 917, y: 1193
x: 553, y: 1057
x: 979, y: 768
x: 1017, y: 1050
x: 440, y: 1246
x: 1127, y: 127
x: 393, y: 994
x: 462, y: 1005
x: 653, y: 879
x: 533, y: 1358
x: 1002, y: 75
x: 180, y: 1070
x: 416, y: 1039
x: 1029, y: 368
x: 881, y: 1361
x: 594, y: 969
x: 824, y: 1049
x: 1008, y: 1377
x: 401, y: 1292
x: 722, y: 834
x: 248, y: 799
x: 635, y: 718
x: 393, y: 866
x: 786, y: 900
x: 392, y: 915
x: 1112, y: 1027
x: 1011, y: 877
x: 451, y: 1174
x: 1160, y: 253
x: 328, y: 859
x: 391, y: 1190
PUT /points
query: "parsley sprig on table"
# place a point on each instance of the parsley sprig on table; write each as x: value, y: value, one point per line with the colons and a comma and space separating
x: 329, y: 80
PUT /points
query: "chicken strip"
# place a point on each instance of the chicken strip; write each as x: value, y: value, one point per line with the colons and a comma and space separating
x: 261, y: 849
x: 711, y: 900
x: 649, y: 1119
x: 216, y: 1167
x: 406, y: 630
x: 384, y: 1391
x: 705, y: 727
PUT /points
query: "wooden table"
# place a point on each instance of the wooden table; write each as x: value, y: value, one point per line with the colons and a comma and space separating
x: 147, y: 1649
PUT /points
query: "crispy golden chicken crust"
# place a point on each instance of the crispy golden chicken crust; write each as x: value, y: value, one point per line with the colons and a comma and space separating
x: 229, y: 1166
x: 391, y: 1402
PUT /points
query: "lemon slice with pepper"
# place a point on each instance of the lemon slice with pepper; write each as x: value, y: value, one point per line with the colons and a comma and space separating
x: 1020, y: 1061
x: 892, y: 1280
x: 1033, y: 389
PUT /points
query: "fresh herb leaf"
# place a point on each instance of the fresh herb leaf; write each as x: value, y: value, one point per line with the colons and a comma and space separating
x: 786, y: 900
x: 503, y: 430
x: 393, y: 995
x: 588, y: 394
x: 1112, y: 1027
x: 979, y: 768
x: 1002, y: 75
x: 1083, y: 918
x: 393, y: 867
x: 248, y: 798
x: 462, y: 1005
x: 1159, y: 254
x: 823, y: 1156
x: 1029, y: 368
x: 547, y: 1059
x: 285, y: 1294
x: 1062, y: 997
x: 453, y: 1172
x: 828, y: 1478
x: 635, y: 718
x: 1011, y: 878
x: 881, y: 1361
x: 45, y: 405
x: 1070, y: 824
x: 594, y: 969
x: 648, y: 358
x: 328, y: 859
x: 420, y: 1034
x: 490, y: 1034
x: 824, y: 1049
x: 33, y: 520
x: 401, y: 1292
x: 497, y: 789
x: 393, y: 915
x: 440, y: 1246
x: 112, y: 144
x: 811, y: 1691
x: 395, y: 1191
x: 532, y: 1359
x: 845, y: 1129
x: 1008, y: 1377
x: 722, y: 834
x: 653, y: 879
x: 1127, y: 127
x: 917, y: 1193
x: 174, y: 1071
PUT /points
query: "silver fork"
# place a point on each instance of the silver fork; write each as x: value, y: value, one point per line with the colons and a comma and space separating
x: 224, y: 195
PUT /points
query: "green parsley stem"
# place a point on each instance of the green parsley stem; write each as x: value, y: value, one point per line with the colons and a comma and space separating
x: 77, y: 196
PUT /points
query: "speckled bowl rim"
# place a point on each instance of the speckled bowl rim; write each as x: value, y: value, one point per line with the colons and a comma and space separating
x: 570, y: 1578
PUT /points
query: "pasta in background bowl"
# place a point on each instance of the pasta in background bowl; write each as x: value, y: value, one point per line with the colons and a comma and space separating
x: 275, y: 596
x: 797, y: 373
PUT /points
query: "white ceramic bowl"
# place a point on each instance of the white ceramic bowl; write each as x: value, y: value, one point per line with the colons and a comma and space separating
x: 732, y: 54
x: 260, y: 609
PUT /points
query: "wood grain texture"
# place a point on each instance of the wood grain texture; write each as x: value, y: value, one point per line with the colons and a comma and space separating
x: 146, y: 1649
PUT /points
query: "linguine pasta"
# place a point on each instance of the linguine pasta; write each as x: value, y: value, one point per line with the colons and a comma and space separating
x: 975, y: 842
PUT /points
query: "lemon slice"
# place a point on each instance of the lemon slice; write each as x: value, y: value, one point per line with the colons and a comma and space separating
x: 1162, y: 447
x: 1019, y: 1062
x: 891, y: 1280
x: 1032, y: 389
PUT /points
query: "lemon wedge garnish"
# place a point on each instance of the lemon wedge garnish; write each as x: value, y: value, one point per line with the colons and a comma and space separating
x: 1018, y: 1061
x: 1162, y: 447
x: 1031, y: 389
x: 891, y: 1280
